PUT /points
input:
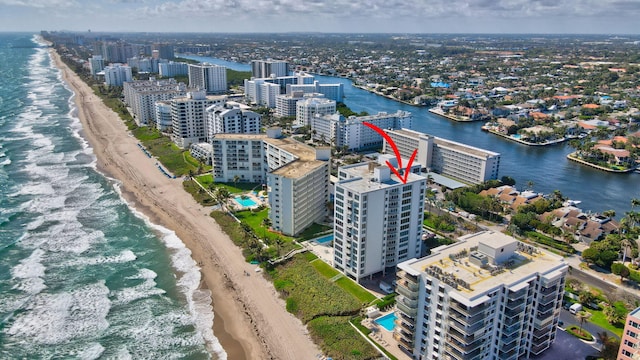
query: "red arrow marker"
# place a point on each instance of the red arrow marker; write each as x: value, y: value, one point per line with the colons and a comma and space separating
x: 397, y: 152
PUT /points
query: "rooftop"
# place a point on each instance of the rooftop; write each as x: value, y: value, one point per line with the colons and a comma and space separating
x: 306, y: 157
x: 461, y: 271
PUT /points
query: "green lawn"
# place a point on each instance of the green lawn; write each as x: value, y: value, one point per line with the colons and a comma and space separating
x: 598, y: 318
x: 339, y: 340
x: 314, y: 231
x: 356, y: 290
x: 198, y: 194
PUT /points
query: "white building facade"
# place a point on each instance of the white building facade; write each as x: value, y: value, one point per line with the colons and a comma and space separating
x: 377, y: 219
x: 117, y: 74
x: 333, y: 92
x: 163, y: 115
x: 141, y: 96
x: 352, y: 133
x: 452, y: 159
x: 307, y: 108
x: 240, y: 155
x: 487, y: 296
x: 269, y: 68
x: 96, y: 64
x: 209, y: 77
x: 172, y: 69
x: 229, y: 118
x: 188, y: 117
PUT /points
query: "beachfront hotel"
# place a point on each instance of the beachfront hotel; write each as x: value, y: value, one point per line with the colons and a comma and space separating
x: 230, y: 118
x: 352, y: 133
x: 487, y: 296
x: 269, y: 68
x: 630, y: 337
x: 209, y: 77
x: 141, y: 97
x: 297, y: 174
x: 377, y: 218
x: 462, y: 162
x: 307, y: 108
x: 188, y: 117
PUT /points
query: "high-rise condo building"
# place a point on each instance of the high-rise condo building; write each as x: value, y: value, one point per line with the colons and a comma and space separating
x: 96, y: 64
x: 307, y: 108
x: 117, y: 74
x: 333, y: 92
x: 209, y: 77
x: 229, y: 118
x: 462, y: 162
x: 487, y: 296
x: 269, y: 68
x: 377, y: 218
x: 171, y: 69
x: 352, y: 133
x: 188, y: 117
x: 141, y: 96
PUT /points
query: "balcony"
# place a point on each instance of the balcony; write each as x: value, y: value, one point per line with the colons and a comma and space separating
x: 406, y: 292
x: 464, y: 348
x: 539, y: 348
x: 464, y: 328
x: 406, y: 309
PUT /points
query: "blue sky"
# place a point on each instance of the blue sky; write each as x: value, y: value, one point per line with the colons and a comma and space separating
x: 421, y: 16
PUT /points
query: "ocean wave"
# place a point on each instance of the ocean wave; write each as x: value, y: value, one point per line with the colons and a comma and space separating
x: 198, y: 301
x: 30, y: 273
x: 61, y: 317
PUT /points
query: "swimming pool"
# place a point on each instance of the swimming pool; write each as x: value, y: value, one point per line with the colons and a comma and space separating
x: 516, y: 136
x: 248, y: 202
x: 388, y: 321
x: 325, y: 239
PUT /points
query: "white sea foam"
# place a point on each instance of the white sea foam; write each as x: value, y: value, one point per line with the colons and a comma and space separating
x: 123, y: 257
x: 60, y: 317
x: 147, y: 289
x: 93, y: 351
x: 30, y: 272
x: 6, y: 162
x: 199, y: 301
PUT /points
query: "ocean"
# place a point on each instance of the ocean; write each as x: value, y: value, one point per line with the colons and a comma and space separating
x: 82, y: 274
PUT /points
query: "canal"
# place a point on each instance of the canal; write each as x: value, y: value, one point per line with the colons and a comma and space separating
x: 547, y: 167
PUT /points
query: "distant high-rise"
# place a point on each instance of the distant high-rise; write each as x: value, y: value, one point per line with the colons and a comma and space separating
x: 96, y: 64
x: 117, y: 74
x: 307, y: 109
x: 209, y: 77
x: 188, y: 115
x: 171, y: 69
x: 269, y: 68
x: 141, y: 95
x: 165, y: 51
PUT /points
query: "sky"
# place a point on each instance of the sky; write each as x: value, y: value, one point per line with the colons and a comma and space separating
x: 377, y: 16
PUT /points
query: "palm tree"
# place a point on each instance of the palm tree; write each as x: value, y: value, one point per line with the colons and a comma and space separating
x: 609, y: 213
x: 266, y: 223
x: 530, y: 184
x: 634, y: 203
x: 236, y: 178
x: 222, y: 195
x: 582, y: 317
x: 610, y: 346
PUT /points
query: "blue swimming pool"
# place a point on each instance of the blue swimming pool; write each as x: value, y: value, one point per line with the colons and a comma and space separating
x: 516, y: 136
x: 325, y: 239
x: 248, y: 202
x: 388, y: 321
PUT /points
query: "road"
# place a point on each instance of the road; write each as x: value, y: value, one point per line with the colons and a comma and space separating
x: 592, y: 280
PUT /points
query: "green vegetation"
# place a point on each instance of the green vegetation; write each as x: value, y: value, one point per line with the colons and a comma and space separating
x: 325, y: 269
x: 599, y: 318
x: 445, y: 223
x: 356, y: 290
x: 386, y: 302
x: 546, y: 240
x: 344, y: 110
x: 201, y: 196
x: 314, y: 231
x: 236, y: 78
x: 339, y: 340
x: 579, y: 333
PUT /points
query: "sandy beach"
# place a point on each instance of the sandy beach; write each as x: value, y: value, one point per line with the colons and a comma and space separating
x: 250, y: 319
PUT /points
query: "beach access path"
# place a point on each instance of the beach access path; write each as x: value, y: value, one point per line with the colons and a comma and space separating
x: 250, y: 318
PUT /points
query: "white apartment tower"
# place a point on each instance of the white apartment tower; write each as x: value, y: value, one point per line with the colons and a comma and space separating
x: 229, y: 118
x: 269, y: 68
x: 307, y: 108
x: 377, y: 219
x: 117, y: 74
x: 462, y: 162
x: 286, y: 103
x: 188, y: 117
x: 96, y: 64
x: 352, y: 133
x: 141, y: 96
x: 487, y: 296
x: 240, y: 155
x: 298, y: 181
x: 172, y: 69
x: 209, y: 77
x: 163, y: 115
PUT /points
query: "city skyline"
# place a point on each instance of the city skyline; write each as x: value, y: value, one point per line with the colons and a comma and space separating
x: 376, y: 16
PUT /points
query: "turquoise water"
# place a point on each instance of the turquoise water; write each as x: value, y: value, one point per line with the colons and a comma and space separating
x: 82, y: 275
x: 387, y: 321
x: 516, y: 136
x: 248, y: 202
x: 325, y: 239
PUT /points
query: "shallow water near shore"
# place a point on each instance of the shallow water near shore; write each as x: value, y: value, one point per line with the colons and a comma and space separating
x: 82, y: 274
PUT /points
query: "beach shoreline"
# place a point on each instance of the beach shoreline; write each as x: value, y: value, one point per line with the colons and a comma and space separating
x: 250, y: 320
